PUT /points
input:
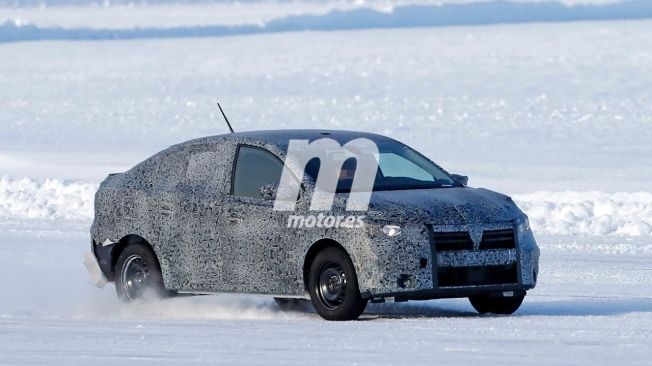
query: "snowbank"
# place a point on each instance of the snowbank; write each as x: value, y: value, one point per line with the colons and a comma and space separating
x: 49, y: 199
x: 407, y: 16
x: 557, y: 213
x: 589, y: 213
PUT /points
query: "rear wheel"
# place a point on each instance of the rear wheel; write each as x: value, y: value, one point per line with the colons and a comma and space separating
x: 497, y: 304
x: 138, y: 274
x: 333, y: 286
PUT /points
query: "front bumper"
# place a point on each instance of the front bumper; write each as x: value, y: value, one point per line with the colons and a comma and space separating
x: 454, y: 270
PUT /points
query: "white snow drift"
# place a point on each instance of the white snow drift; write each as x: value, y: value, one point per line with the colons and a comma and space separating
x: 52, y: 199
x: 563, y: 213
x: 587, y: 212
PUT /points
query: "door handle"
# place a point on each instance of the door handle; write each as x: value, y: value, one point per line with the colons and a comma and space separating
x: 234, y: 216
x: 191, y: 207
x: 166, y: 211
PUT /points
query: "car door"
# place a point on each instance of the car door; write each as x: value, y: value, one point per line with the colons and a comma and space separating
x: 164, y: 215
x: 190, y: 193
x: 202, y: 195
x: 258, y: 256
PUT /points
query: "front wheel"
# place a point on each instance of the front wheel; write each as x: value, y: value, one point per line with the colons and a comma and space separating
x: 138, y: 274
x: 333, y: 286
x: 497, y: 304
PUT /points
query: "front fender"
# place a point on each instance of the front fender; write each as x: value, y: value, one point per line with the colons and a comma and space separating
x: 389, y: 265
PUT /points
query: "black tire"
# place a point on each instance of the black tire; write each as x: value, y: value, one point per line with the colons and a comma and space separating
x: 288, y: 304
x: 138, y: 274
x: 497, y: 304
x: 333, y: 286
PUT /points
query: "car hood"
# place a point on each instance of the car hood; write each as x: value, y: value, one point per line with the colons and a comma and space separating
x: 443, y: 206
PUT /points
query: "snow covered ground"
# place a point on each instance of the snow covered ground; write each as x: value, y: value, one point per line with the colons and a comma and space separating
x: 593, y: 306
x: 557, y: 115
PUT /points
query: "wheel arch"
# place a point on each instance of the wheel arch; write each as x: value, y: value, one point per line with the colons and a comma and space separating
x: 315, y: 248
x: 120, y: 246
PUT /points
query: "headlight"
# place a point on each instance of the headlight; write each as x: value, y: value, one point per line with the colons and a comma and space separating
x: 391, y: 230
x: 523, y: 224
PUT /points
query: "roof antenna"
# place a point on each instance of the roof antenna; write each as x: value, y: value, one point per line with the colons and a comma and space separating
x: 224, y: 115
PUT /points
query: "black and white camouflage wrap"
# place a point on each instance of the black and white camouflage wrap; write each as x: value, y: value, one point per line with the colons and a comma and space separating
x: 208, y: 240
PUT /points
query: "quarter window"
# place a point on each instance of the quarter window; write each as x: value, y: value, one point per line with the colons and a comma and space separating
x: 203, y: 167
x: 255, y: 167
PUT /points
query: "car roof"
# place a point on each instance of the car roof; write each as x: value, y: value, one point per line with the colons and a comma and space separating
x: 281, y: 137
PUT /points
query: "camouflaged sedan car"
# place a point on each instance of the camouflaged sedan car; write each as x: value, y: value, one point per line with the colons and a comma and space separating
x: 203, y: 217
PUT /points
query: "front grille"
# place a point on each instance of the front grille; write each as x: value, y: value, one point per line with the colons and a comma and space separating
x: 461, y: 240
x: 498, y: 239
x: 452, y: 241
x: 460, y: 273
x: 477, y: 276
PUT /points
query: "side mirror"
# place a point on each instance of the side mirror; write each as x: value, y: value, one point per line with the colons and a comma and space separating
x: 268, y: 192
x: 461, y: 179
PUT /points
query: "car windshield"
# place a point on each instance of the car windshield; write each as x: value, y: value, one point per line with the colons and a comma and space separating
x: 399, y: 168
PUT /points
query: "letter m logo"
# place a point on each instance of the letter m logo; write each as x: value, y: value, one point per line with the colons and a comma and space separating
x: 331, y: 156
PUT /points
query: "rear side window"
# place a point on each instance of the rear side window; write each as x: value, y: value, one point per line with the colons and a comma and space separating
x: 255, y: 167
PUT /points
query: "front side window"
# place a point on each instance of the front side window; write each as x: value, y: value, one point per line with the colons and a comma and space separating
x: 400, y: 167
x: 395, y: 166
x: 255, y: 167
